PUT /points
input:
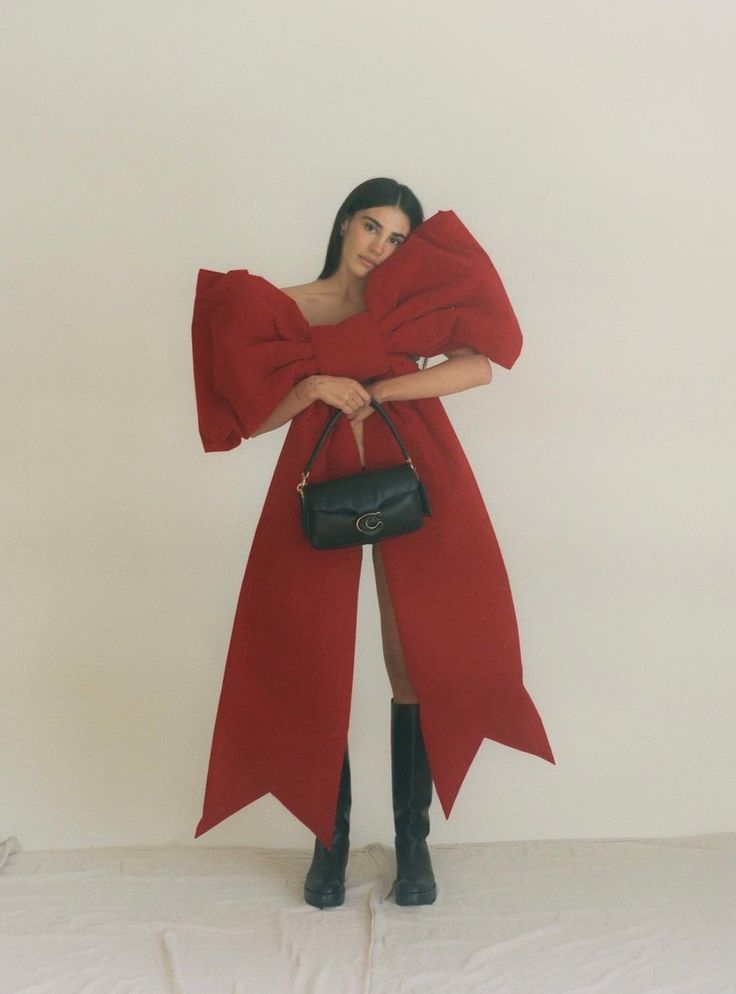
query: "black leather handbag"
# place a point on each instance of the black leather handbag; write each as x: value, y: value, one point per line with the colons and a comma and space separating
x: 365, y: 507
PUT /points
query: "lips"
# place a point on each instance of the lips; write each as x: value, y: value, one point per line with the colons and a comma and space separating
x: 367, y: 262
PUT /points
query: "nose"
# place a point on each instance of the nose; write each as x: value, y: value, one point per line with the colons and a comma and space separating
x: 378, y: 245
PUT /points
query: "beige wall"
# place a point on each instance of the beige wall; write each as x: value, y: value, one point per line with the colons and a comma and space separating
x: 589, y: 146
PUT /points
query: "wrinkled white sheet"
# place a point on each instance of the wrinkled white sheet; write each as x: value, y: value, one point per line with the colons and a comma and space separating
x: 580, y: 917
x: 7, y: 848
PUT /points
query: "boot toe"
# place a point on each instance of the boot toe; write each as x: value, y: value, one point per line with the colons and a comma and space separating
x: 325, y: 897
x: 410, y: 893
x: 324, y: 885
x: 415, y: 885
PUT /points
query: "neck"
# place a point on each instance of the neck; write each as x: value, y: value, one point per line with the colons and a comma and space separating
x: 346, y: 285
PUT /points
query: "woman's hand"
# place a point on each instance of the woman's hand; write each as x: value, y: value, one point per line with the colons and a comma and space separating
x: 361, y: 414
x: 338, y: 391
x: 463, y: 368
x: 341, y: 391
x: 374, y: 389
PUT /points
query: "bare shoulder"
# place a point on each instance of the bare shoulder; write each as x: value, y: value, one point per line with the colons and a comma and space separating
x: 306, y: 300
x: 302, y: 291
x: 320, y: 304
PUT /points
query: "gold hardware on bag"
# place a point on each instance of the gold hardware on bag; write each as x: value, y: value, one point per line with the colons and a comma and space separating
x: 372, y: 521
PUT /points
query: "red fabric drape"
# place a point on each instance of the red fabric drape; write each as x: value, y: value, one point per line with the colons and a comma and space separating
x: 283, y: 714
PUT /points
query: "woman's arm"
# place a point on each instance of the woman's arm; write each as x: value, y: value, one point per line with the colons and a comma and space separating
x: 339, y: 391
x: 461, y: 370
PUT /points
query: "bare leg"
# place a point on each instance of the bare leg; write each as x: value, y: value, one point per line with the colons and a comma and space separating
x: 393, y: 655
x: 358, y: 435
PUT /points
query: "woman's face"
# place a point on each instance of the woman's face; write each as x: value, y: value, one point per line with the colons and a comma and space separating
x: 370, y: 236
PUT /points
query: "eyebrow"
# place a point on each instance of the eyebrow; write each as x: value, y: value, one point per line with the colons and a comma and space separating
x: 379, y: 225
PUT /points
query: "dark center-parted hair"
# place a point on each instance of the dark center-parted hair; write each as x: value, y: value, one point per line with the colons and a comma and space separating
x: 379, y: 192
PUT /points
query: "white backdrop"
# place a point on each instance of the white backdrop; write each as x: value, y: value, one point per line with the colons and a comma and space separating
x: 589, y: 146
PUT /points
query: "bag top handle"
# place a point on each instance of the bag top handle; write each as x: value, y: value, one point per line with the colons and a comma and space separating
x: 331, y: 424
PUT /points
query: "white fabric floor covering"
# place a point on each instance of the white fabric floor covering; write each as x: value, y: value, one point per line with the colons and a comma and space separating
x: 654, y: 916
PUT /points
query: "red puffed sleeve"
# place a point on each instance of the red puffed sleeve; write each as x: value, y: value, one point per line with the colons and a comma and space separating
x: 248, y: 349
x: 441, y: 291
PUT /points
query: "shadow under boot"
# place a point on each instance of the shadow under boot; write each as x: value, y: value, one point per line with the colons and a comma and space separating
x: 411, y: 781
x: 324, y: 886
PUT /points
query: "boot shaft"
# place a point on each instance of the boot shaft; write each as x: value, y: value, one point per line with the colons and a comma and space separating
x: 411, y: 778
x: 341, y: 830
x: 412, y: 795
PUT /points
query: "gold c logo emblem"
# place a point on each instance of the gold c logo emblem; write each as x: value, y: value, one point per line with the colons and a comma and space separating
x: 369, y: 523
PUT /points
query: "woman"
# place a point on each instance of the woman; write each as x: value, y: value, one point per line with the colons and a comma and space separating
x: 394, y: 287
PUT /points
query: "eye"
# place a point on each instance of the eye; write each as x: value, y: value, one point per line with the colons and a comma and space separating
x: 369, y: 226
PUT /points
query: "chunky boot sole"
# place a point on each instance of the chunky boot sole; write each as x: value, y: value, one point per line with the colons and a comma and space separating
x: 328, y: 899
x: 412, y: 898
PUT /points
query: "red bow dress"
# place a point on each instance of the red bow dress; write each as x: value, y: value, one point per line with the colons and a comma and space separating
x: 283, y: 715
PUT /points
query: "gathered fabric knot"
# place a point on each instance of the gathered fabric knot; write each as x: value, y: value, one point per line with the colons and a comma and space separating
x: 355, y: 347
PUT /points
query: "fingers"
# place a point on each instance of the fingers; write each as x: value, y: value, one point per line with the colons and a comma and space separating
x: 353, y: 398
x: 352, y: 403
x: 360, y: 415
x: 342, y: 392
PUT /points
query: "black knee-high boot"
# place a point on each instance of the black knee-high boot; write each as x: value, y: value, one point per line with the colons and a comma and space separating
x: 412, y: 795
x: 324, y: 886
